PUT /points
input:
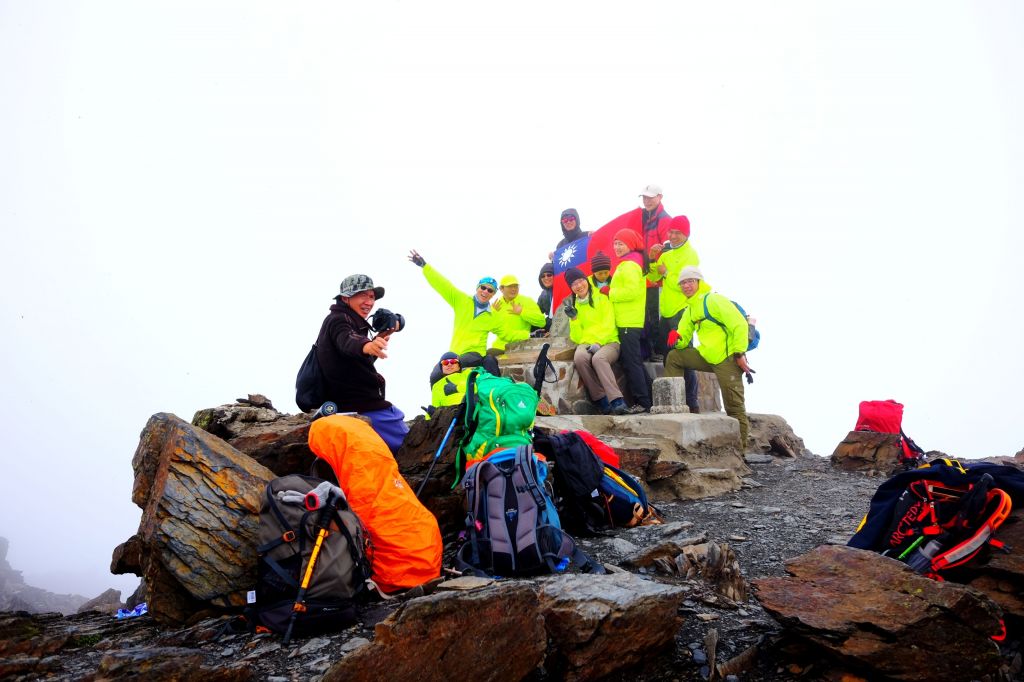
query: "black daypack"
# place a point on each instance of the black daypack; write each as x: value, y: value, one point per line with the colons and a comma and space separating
x: 940, y: 516
x: 309, y: 383
x: 512, y: 526
x: 287, y: 537
x: 593, y: 494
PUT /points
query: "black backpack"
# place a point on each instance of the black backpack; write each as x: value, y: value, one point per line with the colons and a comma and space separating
x: 577, y: 482
x: 287, y: 536
x: 512, y: 525
x: 309, y: 383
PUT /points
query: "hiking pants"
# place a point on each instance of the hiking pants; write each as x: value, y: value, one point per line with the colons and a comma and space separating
x: 390, y: 425
x: 596, y: 371
x: 655, y: 342
x: 631, y: 360
x: 730, y: 378
x: 689, y: 375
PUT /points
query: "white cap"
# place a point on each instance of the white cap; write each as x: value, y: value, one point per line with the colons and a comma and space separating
x: 651, y: 191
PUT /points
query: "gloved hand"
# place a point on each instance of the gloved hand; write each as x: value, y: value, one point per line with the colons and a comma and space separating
x: 318, y: 496
x: 593, y: 348
x: 570, y: 309
x: 604, y: 290
x: 450, y: 388
x: 673, y: 338
x: 416, y: 258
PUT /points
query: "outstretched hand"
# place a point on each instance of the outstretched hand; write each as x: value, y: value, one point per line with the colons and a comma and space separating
x: 416, y: 258
x: 378, y: 347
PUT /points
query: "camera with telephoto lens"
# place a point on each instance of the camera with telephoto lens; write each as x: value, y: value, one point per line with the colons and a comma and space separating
x: 384, y: 319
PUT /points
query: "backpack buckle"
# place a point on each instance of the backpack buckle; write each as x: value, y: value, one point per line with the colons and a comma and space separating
x: 288, y: 536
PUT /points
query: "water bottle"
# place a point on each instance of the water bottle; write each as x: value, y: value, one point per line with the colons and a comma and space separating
x: 326, y: 410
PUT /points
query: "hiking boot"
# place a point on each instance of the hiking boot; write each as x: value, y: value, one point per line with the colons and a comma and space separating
x: 658, y: 358
x: 693, y: 409
x: 603, y: 405
x: 637, y: 409
x: 618, y: 407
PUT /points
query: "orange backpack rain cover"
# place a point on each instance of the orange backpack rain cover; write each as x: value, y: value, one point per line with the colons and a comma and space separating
x: 406, y: 542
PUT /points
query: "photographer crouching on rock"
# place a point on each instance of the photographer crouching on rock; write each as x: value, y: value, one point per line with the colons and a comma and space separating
x: 347, y: 349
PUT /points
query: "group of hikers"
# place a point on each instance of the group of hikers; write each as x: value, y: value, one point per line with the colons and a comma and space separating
x: 643, y: 302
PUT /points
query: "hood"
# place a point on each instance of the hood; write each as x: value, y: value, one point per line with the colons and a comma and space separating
x: 574, y: 213
x: 548, y: 268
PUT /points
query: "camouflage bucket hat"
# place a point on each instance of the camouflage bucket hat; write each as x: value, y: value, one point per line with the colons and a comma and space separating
x: 353, y: 284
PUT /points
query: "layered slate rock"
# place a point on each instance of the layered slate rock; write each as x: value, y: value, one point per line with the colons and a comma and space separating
x: 196, y: 543
x: 868, y: 451
x: 453, y: 636
x: 601, y: 624
x: 1001, y: 578
x: 875, y: 613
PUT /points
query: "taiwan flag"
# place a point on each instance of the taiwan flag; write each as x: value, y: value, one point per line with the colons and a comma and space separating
x: 577, y: 254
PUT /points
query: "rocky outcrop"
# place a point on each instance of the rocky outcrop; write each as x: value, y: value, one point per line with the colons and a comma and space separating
x: 196, y: 540
x: 108, y: 602
x: 16, y: 595
x: 868, y: 451
x: 1001, y: 578
x: 876, y: 614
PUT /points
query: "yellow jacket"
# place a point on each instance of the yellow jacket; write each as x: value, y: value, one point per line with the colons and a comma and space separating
x: 628, y: 293
x: 469, y: 333
x: 594, y: 323
x: 674, y: 260
x: 512, y: 327
x: 438, y: 396
x: 716, y: 343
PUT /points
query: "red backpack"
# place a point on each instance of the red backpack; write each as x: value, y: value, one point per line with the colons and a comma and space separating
x: 886, y: 416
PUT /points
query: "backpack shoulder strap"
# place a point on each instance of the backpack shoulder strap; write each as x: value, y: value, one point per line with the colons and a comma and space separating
x: 526, y: 462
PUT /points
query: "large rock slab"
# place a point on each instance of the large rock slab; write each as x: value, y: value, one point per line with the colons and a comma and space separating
x: 601, y: 624
x: 1001, y: 578
x: 496, y: 633
x: 868, y: 451
x: 874, y: 612
x: 680, y: 456
x: 277, y: 441
x: 196, y: 542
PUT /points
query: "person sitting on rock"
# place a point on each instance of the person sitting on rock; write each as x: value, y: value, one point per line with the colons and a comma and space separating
x: 546, y: 279
x: 601, y: 269
x: 347, y: 352
x: 517, y: 315
x: 666, y: 264
x: 628, y: 294
x: 474, y: 320
x: 448, y: 381
x: 722, y: 348
x: 592, y: 328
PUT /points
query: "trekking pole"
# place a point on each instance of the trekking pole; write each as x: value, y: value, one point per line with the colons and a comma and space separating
x: 323, y: 519
x: 437, y: 455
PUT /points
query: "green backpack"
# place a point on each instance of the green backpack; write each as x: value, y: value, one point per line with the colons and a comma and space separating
x: 499, y: 414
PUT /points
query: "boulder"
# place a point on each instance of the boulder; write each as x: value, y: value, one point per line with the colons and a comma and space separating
x: 868, y: 451
x: 875, y: 613
x: 1001, y: 578
x: 415, y: 457
x: 108, y: 602
x: 277, y: 441
x: 453, y: 635
x: 770, y: 433
x: 196, y: 543
x: 601, y: 624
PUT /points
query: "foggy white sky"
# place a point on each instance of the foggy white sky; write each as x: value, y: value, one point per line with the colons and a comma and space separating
x: 183, y: 186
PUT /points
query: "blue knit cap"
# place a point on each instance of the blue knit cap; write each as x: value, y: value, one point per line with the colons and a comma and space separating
x: 489, y: 281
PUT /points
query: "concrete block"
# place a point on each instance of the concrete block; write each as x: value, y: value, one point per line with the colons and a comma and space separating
x: 669, y: 395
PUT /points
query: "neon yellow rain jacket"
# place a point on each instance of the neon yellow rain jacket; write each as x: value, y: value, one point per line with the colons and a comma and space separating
x: 470, y: 333
x: 438, y: 397
x: 674, y: 260
x: 716, y: 344
x: 594, y: 323
x: 512, y: 327
x: 628, y: 293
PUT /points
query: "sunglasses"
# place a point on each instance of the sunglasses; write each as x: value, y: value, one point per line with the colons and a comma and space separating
x: 486, y: 288
x: 568, y: 218
x: 448, y: 363
x: 546, y: 275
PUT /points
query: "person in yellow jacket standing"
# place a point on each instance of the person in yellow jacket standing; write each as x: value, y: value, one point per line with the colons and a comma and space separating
x: 628, y: 293
x: 592, y: 327
x: 722, y: 348
x: 474, y: 320
x: 666, y: 264
x: 517, y: 315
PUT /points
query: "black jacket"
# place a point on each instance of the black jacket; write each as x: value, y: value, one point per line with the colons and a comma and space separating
x: 350, y: 378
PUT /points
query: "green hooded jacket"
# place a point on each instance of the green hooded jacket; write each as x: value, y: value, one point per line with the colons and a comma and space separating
x: 594, y: 323
x: 716, y: 343
x: 512, y: 327
x: 469, y: 333
x: 628, y: 293
x: 672, y: 298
